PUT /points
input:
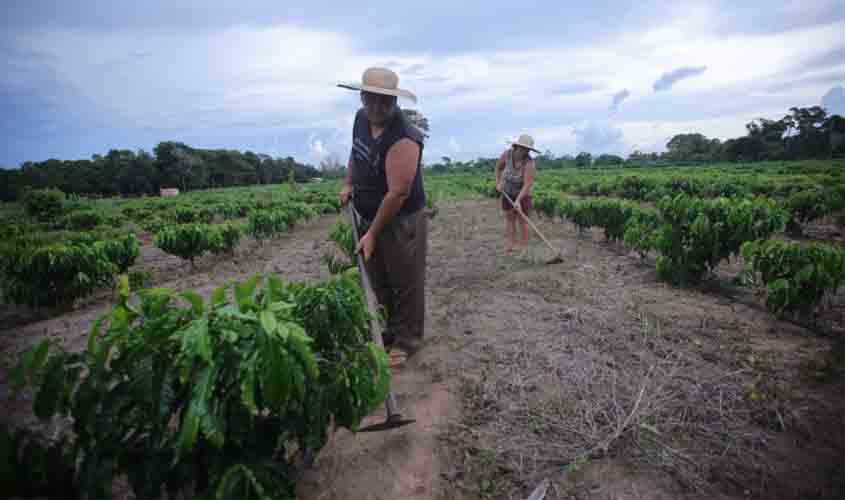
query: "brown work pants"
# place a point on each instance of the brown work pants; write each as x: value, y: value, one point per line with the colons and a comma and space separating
x: 397, y: 273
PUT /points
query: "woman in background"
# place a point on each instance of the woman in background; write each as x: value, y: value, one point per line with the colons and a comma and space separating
x: 515, y: 173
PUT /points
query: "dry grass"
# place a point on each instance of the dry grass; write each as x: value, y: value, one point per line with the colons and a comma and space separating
x: 554, y: 403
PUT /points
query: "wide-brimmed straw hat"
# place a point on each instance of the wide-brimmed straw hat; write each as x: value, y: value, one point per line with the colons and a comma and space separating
x: 525, y: 141
x: 380, y: 81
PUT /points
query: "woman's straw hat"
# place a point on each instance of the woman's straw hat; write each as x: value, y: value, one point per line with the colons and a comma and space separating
x: 525, y: 141
x: 380, y: 81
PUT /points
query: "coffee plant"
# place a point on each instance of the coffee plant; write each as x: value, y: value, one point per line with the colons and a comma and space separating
x: 81, y: 220
x: 342, y: 235
x: 268, y: 224
x: 696, y: 234
x: 44, y: 204
x: 224, y: 238
x: 54, y: 275
x: 122, y: 251
x: 210, y: 398
x: 186, y: 241
x: 797, y: 277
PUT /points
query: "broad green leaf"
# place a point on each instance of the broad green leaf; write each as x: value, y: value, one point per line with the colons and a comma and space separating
x: 276, y: 374
x: 94, y: 334
x: 244, y: 294
x: 281, y: 306
x: 123, y: 287
x: 196, y: 341
x: 120, y: 318
x: 382, y: 374
x: 276, y: 287
x: 213, y: 426
x: 283, y: 330
x: 39, y: 356
x: 199, y: 407
x: 230, y: 336
x: 233, y: 313
x: 248, y: 386
x: 218, y: 297
x: 269, y: 322
x: 233, y: 478
x: 299, y: 342
x: 196, y: 301
x: 189, y: 431
x: 48, y: 400
x: 30, y: 365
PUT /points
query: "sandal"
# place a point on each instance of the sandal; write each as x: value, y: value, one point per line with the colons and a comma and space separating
x: 398, y: 358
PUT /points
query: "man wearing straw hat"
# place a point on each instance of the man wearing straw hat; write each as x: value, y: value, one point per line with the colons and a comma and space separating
x: 515, y: 172
x: 385, y: 183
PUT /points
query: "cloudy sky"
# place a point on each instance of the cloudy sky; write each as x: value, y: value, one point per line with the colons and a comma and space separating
x: 78, y: 78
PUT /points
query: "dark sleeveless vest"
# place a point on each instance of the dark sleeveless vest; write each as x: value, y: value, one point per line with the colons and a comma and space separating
x: 369, y: 177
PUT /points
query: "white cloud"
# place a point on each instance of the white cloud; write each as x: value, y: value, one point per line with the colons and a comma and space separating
x: 558, y: 139
x: 279, y: 75
x: 453, y: 144
x: 245, y: 79
x: 834, y: 101
x: 316, y: 148
x: 599, y: 136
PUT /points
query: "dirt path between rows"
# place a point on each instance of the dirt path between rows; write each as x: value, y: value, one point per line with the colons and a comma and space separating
x: 528, y: 367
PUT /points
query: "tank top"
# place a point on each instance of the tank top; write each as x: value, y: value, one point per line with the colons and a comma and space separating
x: 513, y: 177
x: 369, y: 177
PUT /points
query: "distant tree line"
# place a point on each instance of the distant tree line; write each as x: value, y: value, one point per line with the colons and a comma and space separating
x: 803, y: 134
x: 172, y: 164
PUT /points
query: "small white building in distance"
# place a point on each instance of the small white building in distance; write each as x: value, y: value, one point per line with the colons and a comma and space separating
x: 169, y: 191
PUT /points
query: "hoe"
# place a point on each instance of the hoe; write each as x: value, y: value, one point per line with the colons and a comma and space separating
x: 394, y: 416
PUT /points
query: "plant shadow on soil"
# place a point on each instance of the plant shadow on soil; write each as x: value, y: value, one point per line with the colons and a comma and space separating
x: 591, y: 373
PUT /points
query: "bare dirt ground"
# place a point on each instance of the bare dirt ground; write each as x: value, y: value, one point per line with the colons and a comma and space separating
x: 590, y: 373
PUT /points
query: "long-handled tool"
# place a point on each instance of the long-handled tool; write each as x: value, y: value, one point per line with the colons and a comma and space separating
x: 558, y: 258
x: 394, y: 416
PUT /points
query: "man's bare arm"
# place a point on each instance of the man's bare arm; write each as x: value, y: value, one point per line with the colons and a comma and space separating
x: 401, y: 168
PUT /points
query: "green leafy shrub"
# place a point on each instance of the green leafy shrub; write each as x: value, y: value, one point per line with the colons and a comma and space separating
x: 224, y: 238
x: 81, y: 220
x: 182, y: 394
x: 343, y: 236
x: 140, y: 279
x: 797, y: 277
x: 122, y: 251
x: 640, y: 230
x: 267, y: 224
x: 186, y: 241
x: 696, y: 234
x: 44, y: 204
x: 191, y: 215
x: 54, y: 275
x: 806, y: 206
x: 153, y: 224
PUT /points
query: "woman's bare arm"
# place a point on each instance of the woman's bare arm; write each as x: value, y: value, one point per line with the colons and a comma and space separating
x: 500, y: 165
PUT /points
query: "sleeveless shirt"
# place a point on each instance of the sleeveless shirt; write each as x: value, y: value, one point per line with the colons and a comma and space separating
x: 367, y: 160
x: 513, y: 178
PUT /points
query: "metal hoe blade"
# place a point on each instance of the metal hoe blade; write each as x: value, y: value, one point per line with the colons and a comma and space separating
x: 392, y: 422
